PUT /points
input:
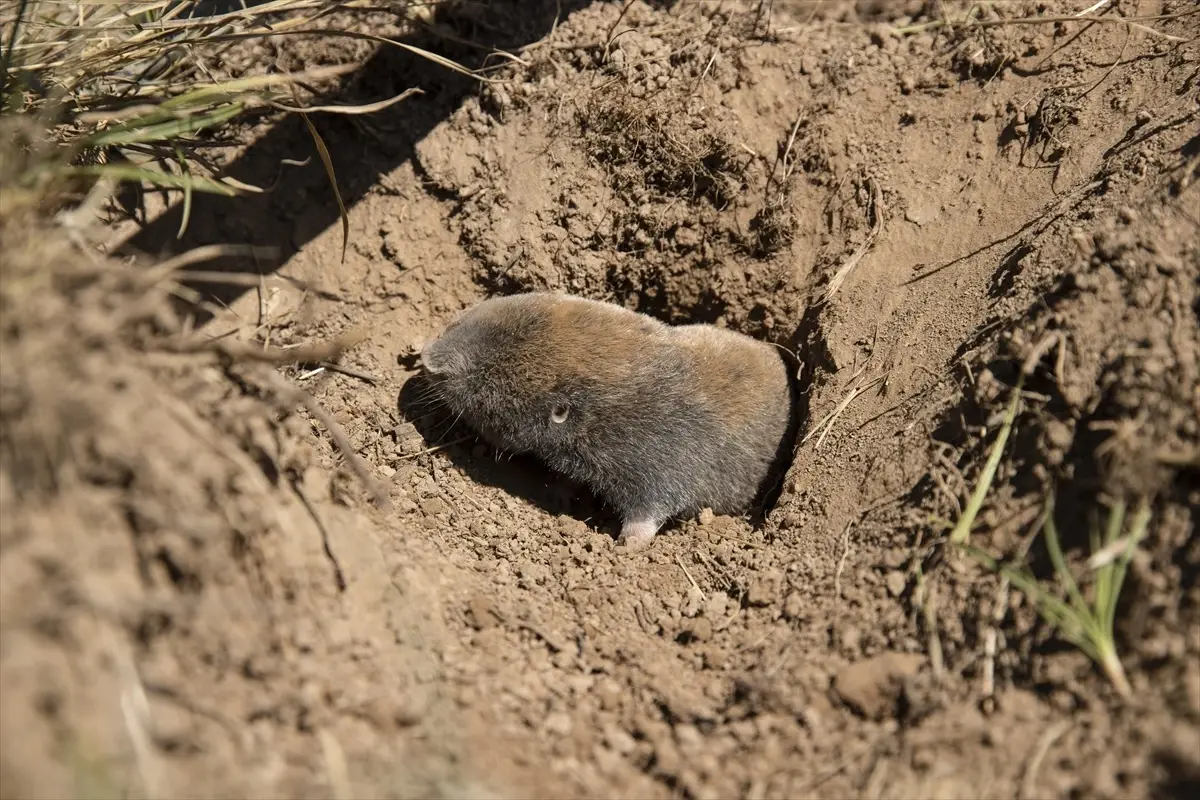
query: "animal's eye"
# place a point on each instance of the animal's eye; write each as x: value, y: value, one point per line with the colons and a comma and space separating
x: 559, y: 414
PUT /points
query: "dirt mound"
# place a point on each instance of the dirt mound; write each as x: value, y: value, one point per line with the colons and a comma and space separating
x: 198, y: 591
x: 173, y: 571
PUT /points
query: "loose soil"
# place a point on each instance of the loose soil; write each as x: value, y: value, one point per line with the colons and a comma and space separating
x: 199, y: 597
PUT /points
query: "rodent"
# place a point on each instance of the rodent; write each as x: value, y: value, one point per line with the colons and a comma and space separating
x: 658, y: 420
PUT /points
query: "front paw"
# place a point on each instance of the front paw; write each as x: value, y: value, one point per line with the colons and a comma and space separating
x: 637, y: 536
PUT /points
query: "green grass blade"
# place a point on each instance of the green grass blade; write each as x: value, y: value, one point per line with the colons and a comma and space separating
x: 962, y: 531
x: 1138, y: 530
x: 1060, y: 562
x: 1106, y: 598
x: 1095, y: 542
x: 228, y: 91
x: 138, y: 132
x: 203, y: 107
x: 135, y: 174
x: 1060, y: 616
x: 1116, y: 521
x: 187, y: 194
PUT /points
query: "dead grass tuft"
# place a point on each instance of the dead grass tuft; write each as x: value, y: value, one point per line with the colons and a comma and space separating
x: 1045, y: 129
x: 134, y: 92
x: 773, y: 228
x: 654, y: 142
x: 978, y: 55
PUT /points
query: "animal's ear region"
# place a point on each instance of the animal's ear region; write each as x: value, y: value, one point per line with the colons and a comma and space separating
x: 438, y: 358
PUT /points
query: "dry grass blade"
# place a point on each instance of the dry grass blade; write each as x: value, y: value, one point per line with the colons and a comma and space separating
x: 822, y: 428
x: 1137, y: 23
x: 327, y: 162
x: 167, y: 270
x: 245, y: 351
x: 926, y: 599
x: 441, y: 61
x: 199, y: 255
x: 1041, y: 749
x: 435, y: 448
x: 365, y: 108
x: 135, y: 713
x: 186, y: 215
x: 335, y: 766
x: 288, y: 395
x: 9, y: 48
x: 844, y: 271
x: 1096, y: 6
x: 97, y: 31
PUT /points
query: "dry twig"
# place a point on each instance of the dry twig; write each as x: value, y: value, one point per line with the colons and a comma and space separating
x: 288, y: 396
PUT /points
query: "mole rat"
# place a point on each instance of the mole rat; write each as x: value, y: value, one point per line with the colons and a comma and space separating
x: 657, y: 420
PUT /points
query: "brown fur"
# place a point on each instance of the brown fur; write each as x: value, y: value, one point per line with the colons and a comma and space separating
x: 658, y: 420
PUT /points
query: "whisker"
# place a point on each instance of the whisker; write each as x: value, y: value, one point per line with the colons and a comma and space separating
x: 450, y: 428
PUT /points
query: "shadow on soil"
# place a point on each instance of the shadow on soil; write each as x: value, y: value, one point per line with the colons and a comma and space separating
x: 526, y: 477
x: 517, y: 475
x: 300, y: 204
